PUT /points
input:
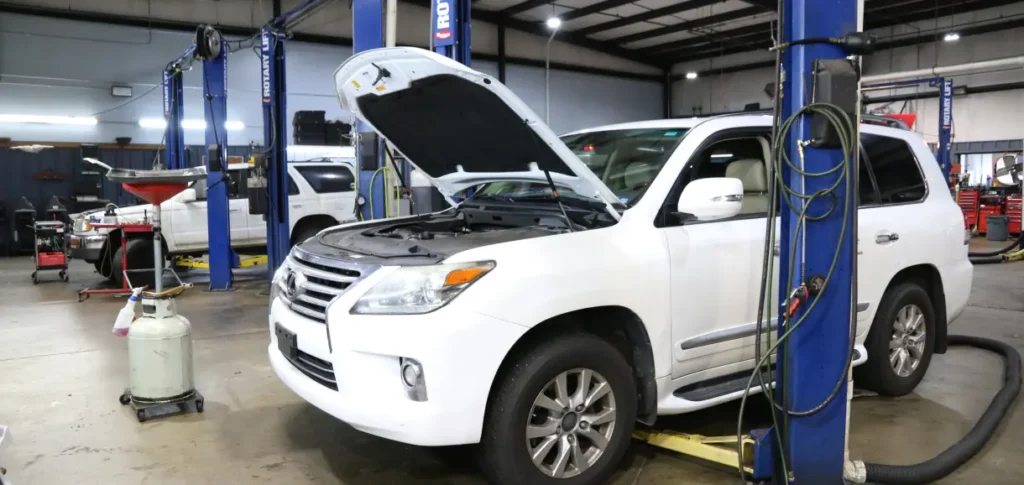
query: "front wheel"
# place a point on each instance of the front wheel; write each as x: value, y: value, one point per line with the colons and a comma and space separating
x: 900, y: 343
x: 563, y: 414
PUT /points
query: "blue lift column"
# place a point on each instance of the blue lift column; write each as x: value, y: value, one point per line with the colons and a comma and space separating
x: 215, y: 97
x: 945, y: 148
x: 450, y: 27
x: 275, y: 142
x: 174, y: 111
x: 818, y: 349
x: 368, y: 33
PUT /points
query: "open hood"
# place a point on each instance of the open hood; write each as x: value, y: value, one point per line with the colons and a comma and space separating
x: 459, y: 127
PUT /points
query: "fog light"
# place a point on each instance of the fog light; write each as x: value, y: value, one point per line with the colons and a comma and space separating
x: 413, y: 379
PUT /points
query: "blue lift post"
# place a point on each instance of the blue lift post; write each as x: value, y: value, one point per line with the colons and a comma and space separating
x: 273, y: 91
x: 215, y: 96
x: 450, y: 22
x: 275, y: 142
x: 368, y: 33
x: 174, y: 111
x: 944, y: 149
x: 817, y: 350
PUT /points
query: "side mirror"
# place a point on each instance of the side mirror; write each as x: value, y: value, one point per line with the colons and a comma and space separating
x: 711, y: 199
x: 188, y: 195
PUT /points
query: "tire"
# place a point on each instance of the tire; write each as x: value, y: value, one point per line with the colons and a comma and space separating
x: 140, y: 256
x: 307, y: 230
x: 505, y: 451
x: 901, y: 303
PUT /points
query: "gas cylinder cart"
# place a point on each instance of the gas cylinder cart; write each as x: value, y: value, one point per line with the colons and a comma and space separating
x: 50, y: 249
x: 162, y: 380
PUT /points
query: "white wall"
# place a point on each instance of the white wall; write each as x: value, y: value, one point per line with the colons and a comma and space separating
x: 977, y: 117
x: 63, y: 67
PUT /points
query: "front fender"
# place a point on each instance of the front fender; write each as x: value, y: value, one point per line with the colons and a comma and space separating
x: 541, y: 278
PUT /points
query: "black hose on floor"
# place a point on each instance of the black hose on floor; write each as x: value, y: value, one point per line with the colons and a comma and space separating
x: 955, y: 456
x: 986, y: 259
x: 1019, y: 243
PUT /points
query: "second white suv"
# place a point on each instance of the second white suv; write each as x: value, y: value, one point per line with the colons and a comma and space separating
x: 545, y: 332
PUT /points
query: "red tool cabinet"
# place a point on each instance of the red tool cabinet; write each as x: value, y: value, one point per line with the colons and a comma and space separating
x: 968, y: 201
x: 1013, y: 209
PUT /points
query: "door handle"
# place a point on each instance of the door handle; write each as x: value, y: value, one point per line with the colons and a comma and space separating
x: 887, y: 238
x: 234, y: 210
x: 296, y: 206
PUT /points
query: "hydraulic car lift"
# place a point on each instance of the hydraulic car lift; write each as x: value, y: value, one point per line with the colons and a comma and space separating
x: 208, y: 48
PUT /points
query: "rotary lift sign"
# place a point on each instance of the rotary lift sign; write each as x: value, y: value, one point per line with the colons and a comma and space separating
x: 443, y: 17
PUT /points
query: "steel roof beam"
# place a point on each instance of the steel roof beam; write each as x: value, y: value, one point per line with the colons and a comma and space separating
x: 690, y: 24
x: 643, y: 17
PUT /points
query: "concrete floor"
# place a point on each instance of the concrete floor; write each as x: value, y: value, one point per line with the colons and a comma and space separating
x: 62, y: 371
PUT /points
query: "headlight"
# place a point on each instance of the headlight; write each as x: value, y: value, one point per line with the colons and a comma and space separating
x: 277, y: 282
x: 420, y: 289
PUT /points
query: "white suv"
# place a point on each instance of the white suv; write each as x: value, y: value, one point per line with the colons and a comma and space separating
x: 320, y: 194
x: 500, y: 322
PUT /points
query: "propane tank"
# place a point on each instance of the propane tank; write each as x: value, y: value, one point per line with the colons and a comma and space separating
x: 160, y: 352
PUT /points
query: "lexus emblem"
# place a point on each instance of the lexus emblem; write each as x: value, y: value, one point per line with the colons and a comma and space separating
x: 293, y: 284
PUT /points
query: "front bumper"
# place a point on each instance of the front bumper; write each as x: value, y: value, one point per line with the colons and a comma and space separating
x: 87, y: 246
x: 459, y: 350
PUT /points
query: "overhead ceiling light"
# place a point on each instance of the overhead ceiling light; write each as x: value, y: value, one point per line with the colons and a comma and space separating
x: 553, y: 23
x: 155, y: 123
x: 193, y: 124
x: 48, y: 120
x: 234, y: 125
x: 952, y: 37
x: 691, y: 75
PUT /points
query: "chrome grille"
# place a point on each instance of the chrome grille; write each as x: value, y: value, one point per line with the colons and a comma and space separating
x: 316, y: 282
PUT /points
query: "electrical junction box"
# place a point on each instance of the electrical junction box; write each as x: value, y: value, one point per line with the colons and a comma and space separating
x: 256, y: 192
x: 835, y: 82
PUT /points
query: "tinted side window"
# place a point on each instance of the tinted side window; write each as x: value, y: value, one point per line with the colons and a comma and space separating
x: 292, y: 188
x: 895, y: 168
x: 325, y: 180
x: 868, y: 193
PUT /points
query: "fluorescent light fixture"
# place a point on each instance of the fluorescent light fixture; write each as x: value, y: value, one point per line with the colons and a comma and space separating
x: 154, y: 123
x: 721, y: 155
x: 553, y: 23
x: 121, y: 91
x: 234, y: 125
x: 193, y: 124
x: 48, y: 120
x: 691, y: 75
x: 952, y: 37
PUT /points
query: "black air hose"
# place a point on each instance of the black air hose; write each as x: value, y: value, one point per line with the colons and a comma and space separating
x: 955, y: 456
x: 1019, y: 243
x: 986, y: 260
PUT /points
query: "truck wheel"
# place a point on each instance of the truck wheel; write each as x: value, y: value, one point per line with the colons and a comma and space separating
x: 562, y: 414
x: 900, y: 342
x: 307, y: 230
x: 140, y: 256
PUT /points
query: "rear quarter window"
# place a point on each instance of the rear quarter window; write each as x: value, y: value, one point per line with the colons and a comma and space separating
x: 895, y: 168
x: 328, y: 179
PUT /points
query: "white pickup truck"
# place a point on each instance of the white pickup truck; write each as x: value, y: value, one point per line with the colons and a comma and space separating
x: 544, y: 333
x: 321, y: 194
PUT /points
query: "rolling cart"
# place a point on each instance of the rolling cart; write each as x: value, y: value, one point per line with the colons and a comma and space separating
x: 49, y: 249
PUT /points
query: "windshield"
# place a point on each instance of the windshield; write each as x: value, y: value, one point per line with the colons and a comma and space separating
x: 626, y: 160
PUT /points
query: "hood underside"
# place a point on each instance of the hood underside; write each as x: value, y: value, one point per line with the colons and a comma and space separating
x: 454, y: 123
